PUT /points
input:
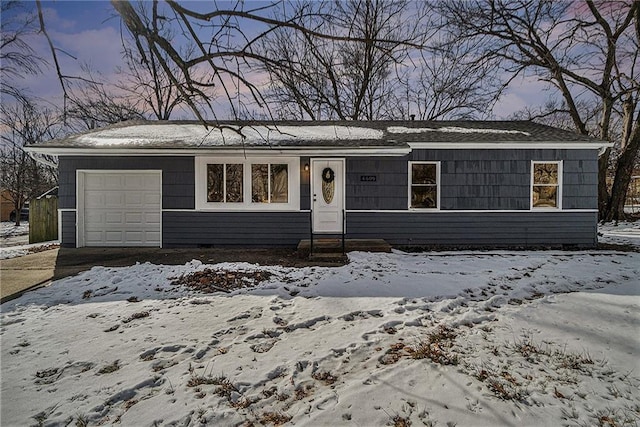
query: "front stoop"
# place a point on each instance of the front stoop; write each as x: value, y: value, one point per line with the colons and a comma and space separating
x: 325, y: 249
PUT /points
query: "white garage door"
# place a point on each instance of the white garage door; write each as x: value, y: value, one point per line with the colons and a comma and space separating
x: 122, y: 208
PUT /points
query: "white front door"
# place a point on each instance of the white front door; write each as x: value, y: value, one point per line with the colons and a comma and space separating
x: 327, y: 195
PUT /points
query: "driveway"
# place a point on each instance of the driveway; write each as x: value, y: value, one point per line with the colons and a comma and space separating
x: 26, y: 272
x: 34, y: 270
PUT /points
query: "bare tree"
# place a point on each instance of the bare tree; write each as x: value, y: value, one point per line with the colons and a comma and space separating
x: 16, y: 55
x: 225, y: 46
x: 323, y: 78
x: 25, y: 123
x: 449, y: 83
x: 143, y: 79
x: 584, y: 50
x: 93, y: 104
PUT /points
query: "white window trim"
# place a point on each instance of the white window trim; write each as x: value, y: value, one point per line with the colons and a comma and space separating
x: 438, y: 184
x: 202, y: 204
x: 560, y: 176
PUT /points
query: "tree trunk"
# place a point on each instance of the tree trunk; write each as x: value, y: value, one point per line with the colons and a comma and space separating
x: 624, y: 171
x: 603, y: 191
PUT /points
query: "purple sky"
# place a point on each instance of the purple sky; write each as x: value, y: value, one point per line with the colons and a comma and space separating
x: 90, y: 32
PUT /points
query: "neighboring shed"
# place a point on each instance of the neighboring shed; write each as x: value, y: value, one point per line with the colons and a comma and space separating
x: 264, y: 184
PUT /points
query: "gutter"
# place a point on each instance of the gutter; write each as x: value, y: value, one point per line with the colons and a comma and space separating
x: 336, y: 151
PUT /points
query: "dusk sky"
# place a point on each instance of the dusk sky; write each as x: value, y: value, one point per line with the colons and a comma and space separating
x: 90, y: 32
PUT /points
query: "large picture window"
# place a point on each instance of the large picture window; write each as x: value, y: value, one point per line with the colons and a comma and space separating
x: 424, y: 182
x: 546, y: 185
x: 258, y: 183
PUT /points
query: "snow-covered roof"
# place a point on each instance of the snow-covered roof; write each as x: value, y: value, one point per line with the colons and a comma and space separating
x: 196, y: 135
x: 192, y: 136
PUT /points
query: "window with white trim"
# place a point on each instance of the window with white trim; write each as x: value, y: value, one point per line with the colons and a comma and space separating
x: 224, y: 183
x: 546, y: 186
x: 260, y: 183
x: 424, y: 180
x: 269, y: 183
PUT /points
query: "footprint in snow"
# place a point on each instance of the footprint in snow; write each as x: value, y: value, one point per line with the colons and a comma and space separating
x: 329, y: 402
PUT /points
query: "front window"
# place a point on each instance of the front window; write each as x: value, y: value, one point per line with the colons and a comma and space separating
x: 545, y: 191
x: 257, y: 183
x: 224, y: 183
x: 424, y: 185
x: 269, y: 183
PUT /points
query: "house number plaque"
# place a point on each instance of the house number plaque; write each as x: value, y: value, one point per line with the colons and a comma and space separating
x: 368, y: 178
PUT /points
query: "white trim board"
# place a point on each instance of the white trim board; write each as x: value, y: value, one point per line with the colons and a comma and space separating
x: 201, y: 203
x: 559, y: 192
x: 438, y: 184
x: 508, y: 145
x: 446, y: 211
x: 412, y: 211
x: 244, y: 152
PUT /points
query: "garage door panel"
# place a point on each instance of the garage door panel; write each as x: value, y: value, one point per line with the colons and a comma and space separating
x: 93, y: 182
x: 152, y: 217
x: 134, y: 198
x: 113, y: 236
x: 94, y: 200
x: 113, y: 217
x: 152, y: 199
x: 95, y: 235
x: 113, y: 182
x: 133, y: 218
x: 134, y: 236
x: 122, y: 209
x: 114, y: 199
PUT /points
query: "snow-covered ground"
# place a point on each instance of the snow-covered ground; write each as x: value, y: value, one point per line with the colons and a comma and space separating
x: 14, y: 241
x: 621, y: 233
x: 22, y: 250
x: 9, y: 229
x: 447, y: 338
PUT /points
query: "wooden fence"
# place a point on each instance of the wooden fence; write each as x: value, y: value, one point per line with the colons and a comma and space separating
x: 43, y: 220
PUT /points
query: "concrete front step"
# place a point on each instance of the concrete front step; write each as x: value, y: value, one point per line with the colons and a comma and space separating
x: 330, y: 246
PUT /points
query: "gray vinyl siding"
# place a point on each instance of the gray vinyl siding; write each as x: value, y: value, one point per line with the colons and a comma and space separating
x: 388, y: 191
x: 472, y: 179
x: 234, y: 229
x: 501, y: 179
x: 475, y: 229
x: 68, y: 229
x: 496, y: 180
x: 178, y: 177
x: 305, y: 184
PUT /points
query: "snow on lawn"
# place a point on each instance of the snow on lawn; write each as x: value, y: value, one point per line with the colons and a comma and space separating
x: 9, y: 229
x: 621, y: 233
x: 478, y: 338
x: 22, y: 250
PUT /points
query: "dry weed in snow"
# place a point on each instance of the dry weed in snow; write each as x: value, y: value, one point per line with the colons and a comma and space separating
x: 451, y: 338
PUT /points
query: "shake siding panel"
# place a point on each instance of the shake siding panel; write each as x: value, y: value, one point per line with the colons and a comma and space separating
x: 240, y: 229
x: 476, y: 229
x: 177, y: 176
x: 68, y: 230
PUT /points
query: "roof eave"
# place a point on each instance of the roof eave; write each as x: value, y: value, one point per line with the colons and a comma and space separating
x: 245, y: 151
x: 511, y: 145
